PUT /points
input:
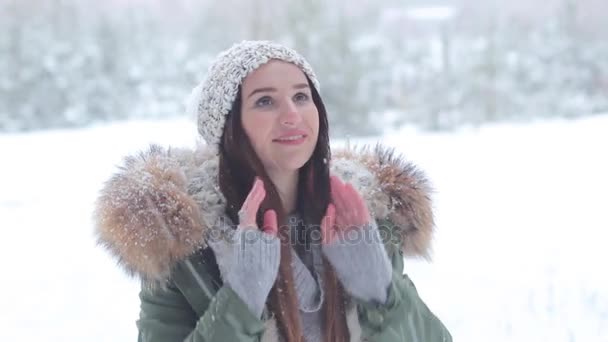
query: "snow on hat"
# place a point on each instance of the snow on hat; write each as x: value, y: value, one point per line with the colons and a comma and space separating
x: 212, y: 100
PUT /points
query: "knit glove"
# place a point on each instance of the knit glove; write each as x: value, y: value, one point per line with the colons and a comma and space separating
x: 361, y: 263
x: 248, y: 259
x: 353, y: 246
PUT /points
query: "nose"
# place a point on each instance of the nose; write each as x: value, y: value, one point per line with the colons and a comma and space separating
x: 290, y: 114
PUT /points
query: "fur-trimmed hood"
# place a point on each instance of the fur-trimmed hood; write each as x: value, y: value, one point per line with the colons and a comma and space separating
x: 157, y: 209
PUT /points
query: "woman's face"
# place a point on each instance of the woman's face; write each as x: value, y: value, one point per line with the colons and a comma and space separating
x: 279, y: 116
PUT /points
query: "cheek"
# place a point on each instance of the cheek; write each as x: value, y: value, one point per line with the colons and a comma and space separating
x: 256, y: 128
x: 312, y: 119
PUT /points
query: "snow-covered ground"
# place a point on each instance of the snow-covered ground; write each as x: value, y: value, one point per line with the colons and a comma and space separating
x: 521, y: 243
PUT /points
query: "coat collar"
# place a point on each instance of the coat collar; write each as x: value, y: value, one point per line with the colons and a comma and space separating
x: 156, y: 210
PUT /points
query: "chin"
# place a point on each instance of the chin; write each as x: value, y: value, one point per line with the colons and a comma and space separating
x: 294, y: 161
x: 294, y: 164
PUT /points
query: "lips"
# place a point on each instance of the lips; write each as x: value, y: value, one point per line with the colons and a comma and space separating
x: 293, y: 137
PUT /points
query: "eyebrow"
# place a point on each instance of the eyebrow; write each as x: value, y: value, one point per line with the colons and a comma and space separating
x: 271, y: 89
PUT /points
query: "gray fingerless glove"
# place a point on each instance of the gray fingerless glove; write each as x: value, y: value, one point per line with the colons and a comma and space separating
x: 248, y: 260
x: 361, y: 263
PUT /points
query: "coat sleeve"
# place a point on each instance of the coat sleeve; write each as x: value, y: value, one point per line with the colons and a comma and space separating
x: 166, y: 315
x: 404, y: 316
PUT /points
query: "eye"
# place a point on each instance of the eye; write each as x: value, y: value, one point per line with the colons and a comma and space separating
x: 301, y: 97
x: 263, y: 101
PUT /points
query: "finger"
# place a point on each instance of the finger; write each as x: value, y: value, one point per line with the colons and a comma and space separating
x: 326, y: 225
x: 250, y: 195
x: 247, y: 214
x: 254, y: 187
x: 257, y: 198
x: 348, y: 208
x: 337, y: 194
x: 328, y: 231
x: 336, y: 185
x: 257, y: 195
x: 357, y: 203
x: 362, y: 207
x: 271, y: 225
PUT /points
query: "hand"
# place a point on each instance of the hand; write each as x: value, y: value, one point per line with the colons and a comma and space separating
x: 248, y: 259
x: 251, y: 205
x: 350, y: 256
x: 348, y: 211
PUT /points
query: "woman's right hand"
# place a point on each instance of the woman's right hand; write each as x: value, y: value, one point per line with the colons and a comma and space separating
x: 249, y: 210
x: 248, y: 258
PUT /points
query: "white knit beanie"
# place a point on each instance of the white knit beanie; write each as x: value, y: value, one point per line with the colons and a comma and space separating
x: 212, y: 100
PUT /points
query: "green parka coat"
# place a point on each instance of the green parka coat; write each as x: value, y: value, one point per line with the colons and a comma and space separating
x: 153, y: 216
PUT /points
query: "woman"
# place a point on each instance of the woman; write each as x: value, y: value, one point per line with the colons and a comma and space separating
x: 250, y: 237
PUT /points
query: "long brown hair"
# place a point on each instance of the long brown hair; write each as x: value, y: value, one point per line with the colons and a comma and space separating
x: 238, y: 165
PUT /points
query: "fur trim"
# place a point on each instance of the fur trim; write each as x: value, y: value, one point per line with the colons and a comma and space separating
x: 157, y: 209
x: 145, y: 217
x: 395, y: 190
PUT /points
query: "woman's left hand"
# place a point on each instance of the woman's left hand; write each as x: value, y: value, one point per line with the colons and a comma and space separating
x: 348, y: 211
x: 360, y: 260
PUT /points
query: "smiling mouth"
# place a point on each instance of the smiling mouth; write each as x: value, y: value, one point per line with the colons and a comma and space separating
x: 291, y: 138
